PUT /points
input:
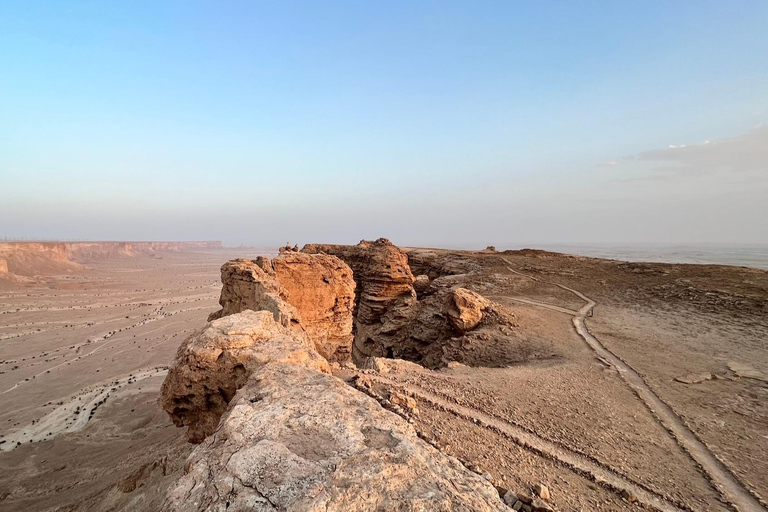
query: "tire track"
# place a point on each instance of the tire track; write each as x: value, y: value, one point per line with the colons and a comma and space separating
x: 725, y: 481
x: 583, y: 465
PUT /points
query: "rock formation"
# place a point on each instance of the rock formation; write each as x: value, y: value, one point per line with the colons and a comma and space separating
x: 466, y: 309
x: 391, y: 322
x: 322, y: 290
x: 294, y: 437
x: 310, y: 293
x: 385, y: 294
x: 212, y: 364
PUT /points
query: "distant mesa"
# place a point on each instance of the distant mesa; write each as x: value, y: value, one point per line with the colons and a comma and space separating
x: 22, y: 261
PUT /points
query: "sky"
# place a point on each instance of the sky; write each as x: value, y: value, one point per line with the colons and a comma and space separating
x: 430, y: 123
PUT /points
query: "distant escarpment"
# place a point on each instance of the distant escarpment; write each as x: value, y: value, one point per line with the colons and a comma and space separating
x: 20, y: 261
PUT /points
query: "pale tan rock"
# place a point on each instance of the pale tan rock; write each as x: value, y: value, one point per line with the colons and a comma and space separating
x: 213, y: 363
x: 313, y: 293
x: 467, y: 309
x: 404, y: 401
x: 694, y: 378
x: 297, y: 439
x: 542, y: 491
x: 322, y: 290
x: 746, y: 371
x: 252, y: 285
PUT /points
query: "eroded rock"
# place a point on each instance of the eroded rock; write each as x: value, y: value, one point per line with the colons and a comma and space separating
x: 252, y: 285
x: 278, y: 448
x: 391, y: 322
x: 322, y: 290
x: 213, y: 363
x: 313, y: 293
x: 385, y: 296
x: 467, y: 309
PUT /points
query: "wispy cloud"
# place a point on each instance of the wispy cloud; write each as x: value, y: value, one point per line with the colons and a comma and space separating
x: 741, y: 154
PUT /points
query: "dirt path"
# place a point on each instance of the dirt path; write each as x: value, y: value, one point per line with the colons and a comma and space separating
x: 720, y: 475
x: 534, y: 303
x: 583, y: 465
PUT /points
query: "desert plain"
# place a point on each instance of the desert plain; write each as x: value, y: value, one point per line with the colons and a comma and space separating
x: 611, y: 386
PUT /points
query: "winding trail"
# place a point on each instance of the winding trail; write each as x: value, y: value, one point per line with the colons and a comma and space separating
x: 719, y: 474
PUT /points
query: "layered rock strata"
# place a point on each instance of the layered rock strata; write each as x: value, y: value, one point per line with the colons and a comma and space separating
x: 311, y: 293
x: 295, y: 438
x: 391, y: 322
x: 385, y: 294
x: 29, y: 259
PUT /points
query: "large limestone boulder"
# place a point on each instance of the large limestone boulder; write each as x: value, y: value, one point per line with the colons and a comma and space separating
x: 213, y: 363
x: 466, y: 309
x: 252, y: 285
x: 311, y: 293
x: 297, y: 439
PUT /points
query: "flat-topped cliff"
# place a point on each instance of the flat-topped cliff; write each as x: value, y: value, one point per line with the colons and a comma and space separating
x: 19, y: 260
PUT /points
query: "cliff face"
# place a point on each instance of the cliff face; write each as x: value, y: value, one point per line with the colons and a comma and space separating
x: 295, y: 438
x: 30, y: 259
x: 391, y: 322
x: 312, y: 294
x: 385, y: 294
x: 36, y: 258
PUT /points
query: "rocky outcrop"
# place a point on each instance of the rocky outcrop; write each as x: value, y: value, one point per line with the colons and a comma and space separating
x: 295, y: 438
x: 385, y: 294
x: 449, y: 320
x: 311, y: 293
x: 437, y: 264
x: 212, y: 364
x: 252, y: 285
x: 322, y: 290
x: 391, y: 322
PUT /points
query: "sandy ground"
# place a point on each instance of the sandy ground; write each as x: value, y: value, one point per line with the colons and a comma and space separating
x: 82, y: 359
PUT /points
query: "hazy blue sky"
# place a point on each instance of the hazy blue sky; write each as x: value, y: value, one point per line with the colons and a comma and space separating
x: 432, y: 123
